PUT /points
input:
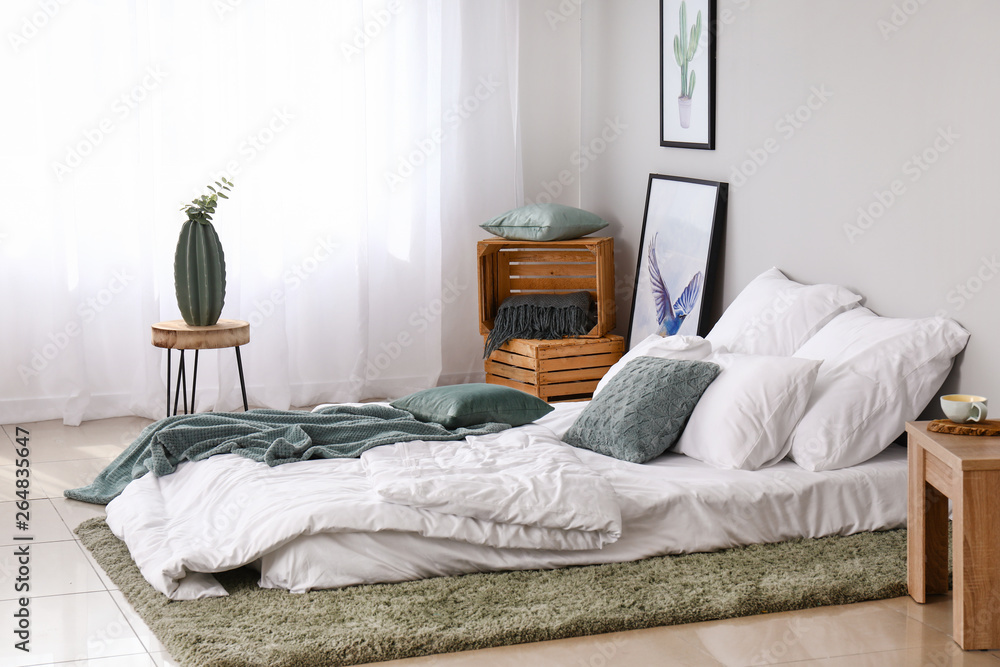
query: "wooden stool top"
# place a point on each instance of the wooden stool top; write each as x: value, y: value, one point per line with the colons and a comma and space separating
x: 959, y: 452
x: 179, y: 335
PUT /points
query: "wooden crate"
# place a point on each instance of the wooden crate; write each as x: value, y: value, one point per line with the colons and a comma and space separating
x: 532, y: 267
x: 555, y: 370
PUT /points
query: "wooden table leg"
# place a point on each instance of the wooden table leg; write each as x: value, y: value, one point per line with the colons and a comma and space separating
x: 927, y: 531
x: 976, y: 526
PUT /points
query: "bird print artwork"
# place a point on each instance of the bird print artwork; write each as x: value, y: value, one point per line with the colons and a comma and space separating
x: 671, y: 316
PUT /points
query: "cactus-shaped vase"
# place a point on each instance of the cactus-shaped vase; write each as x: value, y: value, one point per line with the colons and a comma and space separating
x: 200, y: 274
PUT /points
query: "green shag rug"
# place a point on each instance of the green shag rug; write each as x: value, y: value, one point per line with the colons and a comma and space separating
x: 381, y: 622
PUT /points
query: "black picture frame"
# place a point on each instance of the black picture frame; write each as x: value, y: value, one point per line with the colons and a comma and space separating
x: 692, y: 213
x: 695, y: 127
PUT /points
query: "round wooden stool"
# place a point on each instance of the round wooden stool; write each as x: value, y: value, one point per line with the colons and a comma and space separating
x: 179, y: 335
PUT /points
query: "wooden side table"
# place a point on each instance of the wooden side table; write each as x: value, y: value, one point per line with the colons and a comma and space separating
x: 965, y: 469
x: 179, y: 335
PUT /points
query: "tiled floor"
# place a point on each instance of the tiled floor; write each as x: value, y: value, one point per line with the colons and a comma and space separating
x: 78, y: 617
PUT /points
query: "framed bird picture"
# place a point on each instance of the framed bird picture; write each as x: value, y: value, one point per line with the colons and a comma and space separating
x: 678, y: 251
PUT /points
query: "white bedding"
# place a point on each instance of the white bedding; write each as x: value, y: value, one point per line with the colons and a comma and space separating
x: 335, y: 529
x: 518, y: 488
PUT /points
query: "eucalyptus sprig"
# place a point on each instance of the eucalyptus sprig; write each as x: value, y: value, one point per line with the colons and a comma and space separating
x: 203, y: 208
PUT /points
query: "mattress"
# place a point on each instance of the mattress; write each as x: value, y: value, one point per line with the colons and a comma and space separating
x: 671, y: 505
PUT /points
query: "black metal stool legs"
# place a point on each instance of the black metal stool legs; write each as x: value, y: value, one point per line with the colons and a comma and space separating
x: 182, y: 382
x: 183, y: 374
x: 194, y: 382
x: 168, y: 381
x: 243, y: 385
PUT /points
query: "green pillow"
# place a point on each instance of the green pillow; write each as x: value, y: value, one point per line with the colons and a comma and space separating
x: 544, y: 222
x: 643, y: 409
x: 461, y: 405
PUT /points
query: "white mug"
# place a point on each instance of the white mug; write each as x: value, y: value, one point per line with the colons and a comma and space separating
x: 962, y: 408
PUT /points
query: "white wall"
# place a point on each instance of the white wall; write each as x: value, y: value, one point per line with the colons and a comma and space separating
x: 891, y: 94
x: 549, y: 101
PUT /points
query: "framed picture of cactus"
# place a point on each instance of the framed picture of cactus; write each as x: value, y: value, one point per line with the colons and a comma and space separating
x: 687, y: 73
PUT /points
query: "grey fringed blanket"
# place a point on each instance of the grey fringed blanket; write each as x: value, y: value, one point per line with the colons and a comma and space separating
x: 540, y: 316
x: 270, y: 436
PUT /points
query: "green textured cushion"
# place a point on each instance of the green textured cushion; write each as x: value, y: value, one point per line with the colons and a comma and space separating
x: 478, y: 403
x: 644, y: 408
x: 544, y: 222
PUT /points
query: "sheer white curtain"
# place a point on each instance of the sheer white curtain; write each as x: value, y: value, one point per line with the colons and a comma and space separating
x: 346, y: 127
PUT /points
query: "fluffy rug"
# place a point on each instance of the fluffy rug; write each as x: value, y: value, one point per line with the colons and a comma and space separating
x: 382, y: 622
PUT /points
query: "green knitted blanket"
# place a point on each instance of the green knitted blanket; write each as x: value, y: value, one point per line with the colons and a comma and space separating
x: 270, y: 436
x: 540, y: 317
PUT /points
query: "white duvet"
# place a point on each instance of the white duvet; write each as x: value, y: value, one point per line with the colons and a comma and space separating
x: 519, y: 499
x: 520, y: 489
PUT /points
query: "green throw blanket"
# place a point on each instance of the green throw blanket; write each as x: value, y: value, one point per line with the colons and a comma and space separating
x: 540, y: 317
x: 270, y: 436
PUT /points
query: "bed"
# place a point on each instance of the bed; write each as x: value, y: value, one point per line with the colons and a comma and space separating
x: 791, y: 439
x: 674, y: 504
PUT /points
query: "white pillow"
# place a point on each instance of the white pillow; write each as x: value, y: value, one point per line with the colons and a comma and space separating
x: 775, y: 315
x: 743, y: 419
x: 693, y: 348
x: 878, y: 373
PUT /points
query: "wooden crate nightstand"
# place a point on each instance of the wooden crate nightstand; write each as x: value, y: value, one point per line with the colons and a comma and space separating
x: 532, y: 267
x: 555, y: 370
